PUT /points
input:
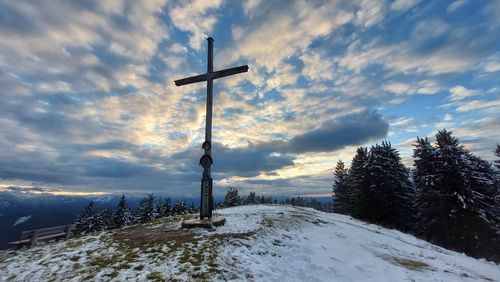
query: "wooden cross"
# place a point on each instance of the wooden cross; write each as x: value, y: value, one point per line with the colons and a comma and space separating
x: 206, y: 161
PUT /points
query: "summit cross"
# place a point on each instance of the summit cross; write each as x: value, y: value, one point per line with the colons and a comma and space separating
x: 206, y: 161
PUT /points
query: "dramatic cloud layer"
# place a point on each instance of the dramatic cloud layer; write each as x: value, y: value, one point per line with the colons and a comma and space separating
x: 89, y: 104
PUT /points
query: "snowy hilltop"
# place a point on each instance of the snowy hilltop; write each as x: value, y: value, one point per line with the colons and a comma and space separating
x: 258, y: 243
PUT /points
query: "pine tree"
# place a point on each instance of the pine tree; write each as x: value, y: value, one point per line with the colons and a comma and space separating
x: 497, y: 154
x: 426, y: 181
x: 146, y: 211
x: 164, y: 207
x: 261, y: 199
x: 167, y: 207
x: 299, y: 201
x: 251, y: 199
x: 104, y: 220
x: 232, y: 198
x: 357, y: 185
x: 122, y: 216
x: 180, y: 208
x: 192, y: 208
x: 390, y: 197
x: 85, y: 222
x: 341, y: 202
x: 457, y: 200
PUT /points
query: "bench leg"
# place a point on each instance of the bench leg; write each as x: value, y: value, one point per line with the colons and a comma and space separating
x: 68, y: 232
x: 33, y: 238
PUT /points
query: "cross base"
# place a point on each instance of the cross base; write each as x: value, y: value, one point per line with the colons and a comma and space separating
x: 206, y: 205
x: 204, y: 223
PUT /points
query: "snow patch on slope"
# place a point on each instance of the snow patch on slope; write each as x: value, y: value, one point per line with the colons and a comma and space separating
x: 21, y: 219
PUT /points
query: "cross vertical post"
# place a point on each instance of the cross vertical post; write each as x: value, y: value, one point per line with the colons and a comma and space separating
x: 206, y: 201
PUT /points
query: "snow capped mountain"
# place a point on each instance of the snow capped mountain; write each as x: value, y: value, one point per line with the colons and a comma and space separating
x: 259, y: 243
x: 45, y: 209
x: 110, y: 198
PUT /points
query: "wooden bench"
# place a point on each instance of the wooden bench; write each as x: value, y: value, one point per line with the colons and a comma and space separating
x: 32, y: 236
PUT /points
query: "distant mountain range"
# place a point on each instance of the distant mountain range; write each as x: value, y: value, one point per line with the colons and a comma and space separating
x: 22, y: 209
x: 25, y: 210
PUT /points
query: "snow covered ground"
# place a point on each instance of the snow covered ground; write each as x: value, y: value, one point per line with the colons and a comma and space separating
x: 258, y: 243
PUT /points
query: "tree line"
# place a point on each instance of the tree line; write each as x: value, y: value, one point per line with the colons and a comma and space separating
x: 451, y: 197
x: 91, y: 220
x: 232, y: 199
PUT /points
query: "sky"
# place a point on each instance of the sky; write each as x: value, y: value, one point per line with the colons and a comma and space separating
x: 89, y: 103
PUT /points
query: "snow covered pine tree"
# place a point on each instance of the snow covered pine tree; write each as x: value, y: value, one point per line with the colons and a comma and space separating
x: 232, y: 198
x: 251, y: 199
x: 164, y: 207
x: 86, y: 221
x: 122, y: 216
x: 456, y: 204
x: 390, y: 196
x: 357, y: 182
x: 146, y: 211
x: 428, y: 194
x: 104, y: 220
x: 497, y: 154
x: 341, y: 203
x: 180, y: 208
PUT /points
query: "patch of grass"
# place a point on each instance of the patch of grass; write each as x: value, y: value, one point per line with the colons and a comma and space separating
x: 144, y: 238
x: 242, y: 235
x: 277, y: 242
x: 77, y: 242
x: 103, y: 261
x: 318, y: 222
x: 413, y: 264
x: 112, y: 274
x: 266, y: 222
x: 155, y: 276
x: 407, y: 263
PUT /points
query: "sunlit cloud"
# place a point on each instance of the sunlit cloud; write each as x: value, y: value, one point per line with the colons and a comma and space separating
x: 89, y: 104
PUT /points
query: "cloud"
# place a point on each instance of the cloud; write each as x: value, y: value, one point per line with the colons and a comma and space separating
x: 403, y: 5
x: 256, y: 158
x: 455, y: 5
x: 352, y: 129
x: 195, y: 17
x: 243, y: 161
x: 402, y: 122
x: 479, y: 105
x: 492, y: 66
x: 459, y: 92
x: 397, y: 87
x: 109, y: 167
x: 370, y: 12
x: 88, y: 100
x: 297, y: 24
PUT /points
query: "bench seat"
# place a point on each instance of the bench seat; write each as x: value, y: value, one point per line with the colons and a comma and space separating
x: 32, y: 236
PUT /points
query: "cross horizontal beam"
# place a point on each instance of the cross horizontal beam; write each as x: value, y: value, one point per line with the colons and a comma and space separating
x: 192, y: 79
x: 213, y: 75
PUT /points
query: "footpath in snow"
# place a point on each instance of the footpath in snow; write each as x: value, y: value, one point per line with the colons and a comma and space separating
x: 258, y: 243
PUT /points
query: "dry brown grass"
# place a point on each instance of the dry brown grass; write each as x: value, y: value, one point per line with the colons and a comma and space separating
x: 407, y: 263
